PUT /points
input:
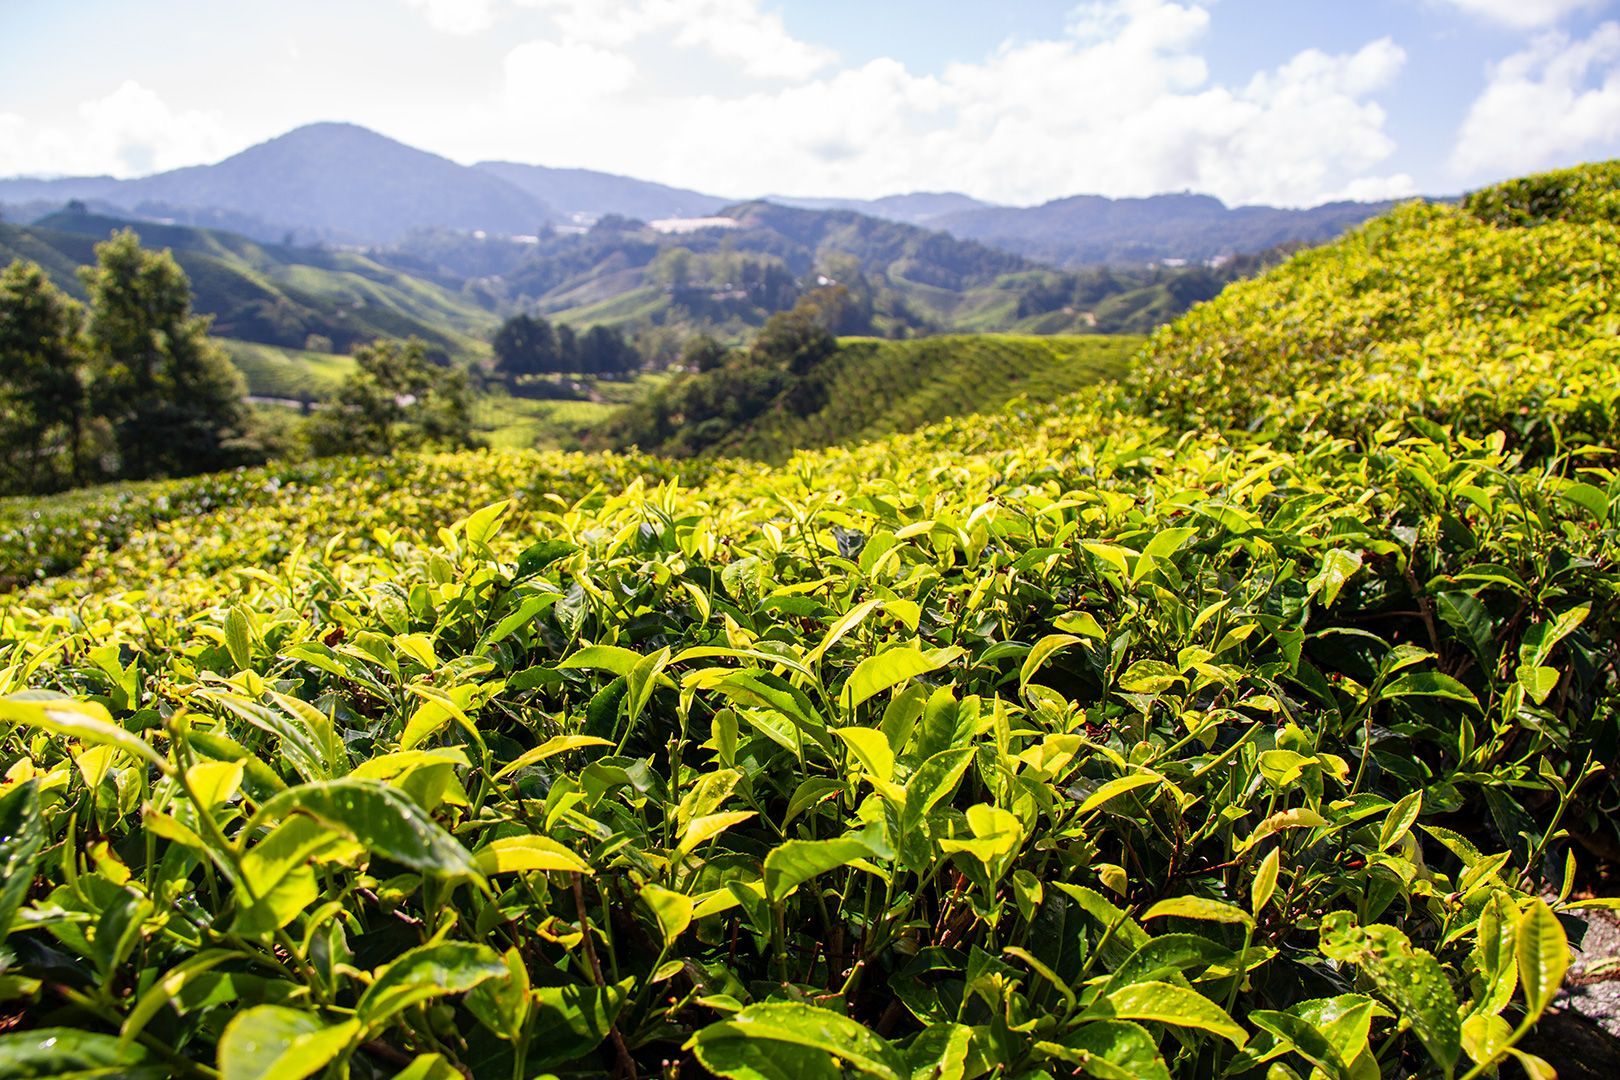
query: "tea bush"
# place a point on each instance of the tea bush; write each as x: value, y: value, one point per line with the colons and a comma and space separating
x: 1068, y: 741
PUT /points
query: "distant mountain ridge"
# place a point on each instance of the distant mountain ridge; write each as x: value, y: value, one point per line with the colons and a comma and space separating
x: 343, y: 184
x: 1089, y: 230
x: 583, y: 193
x: 327, y: 182
x: 917, y: 208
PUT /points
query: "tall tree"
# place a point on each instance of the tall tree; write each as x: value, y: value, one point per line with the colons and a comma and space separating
x: 42, y: 393
x: 567, y: 348
x: 172, y: 397
x: 604, y: 351
x: 395, y: 400
x: 525, y: 345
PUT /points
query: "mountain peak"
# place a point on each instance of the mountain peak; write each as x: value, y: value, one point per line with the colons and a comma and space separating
x: 345, y: 182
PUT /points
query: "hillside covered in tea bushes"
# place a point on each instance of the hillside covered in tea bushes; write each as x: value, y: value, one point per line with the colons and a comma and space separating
x: 1249, y: 717
x: 766, y: 402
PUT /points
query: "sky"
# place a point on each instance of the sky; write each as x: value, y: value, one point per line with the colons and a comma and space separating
x: 1277, y: 102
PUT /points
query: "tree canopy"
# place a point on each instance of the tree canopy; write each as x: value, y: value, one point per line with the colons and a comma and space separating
x: 172, y: 397
x: 396, y: 400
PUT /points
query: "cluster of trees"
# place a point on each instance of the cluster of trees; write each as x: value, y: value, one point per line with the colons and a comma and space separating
x: 396, y: 399
x: 730, y: 388
x: 132, y: 388
x: 1125, y: 300
x: 527, y: 346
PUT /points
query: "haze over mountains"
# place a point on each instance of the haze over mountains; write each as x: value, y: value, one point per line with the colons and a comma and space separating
x: 343, y: 184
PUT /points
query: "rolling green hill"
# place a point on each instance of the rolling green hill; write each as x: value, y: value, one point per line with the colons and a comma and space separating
x: 287, y: 374
x: 908, y: 282
x: 274, y: 295
x: 866, y: 389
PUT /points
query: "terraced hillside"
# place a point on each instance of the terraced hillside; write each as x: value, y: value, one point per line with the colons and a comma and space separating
x: 865, y: 389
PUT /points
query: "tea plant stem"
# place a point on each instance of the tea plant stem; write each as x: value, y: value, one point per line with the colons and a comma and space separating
x: 157, y: 1046
x: 224, y: 849
x: 626, y: 1064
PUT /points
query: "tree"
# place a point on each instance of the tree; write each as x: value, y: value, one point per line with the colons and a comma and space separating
x: 525, y: 345
x: 567, y: 348
x: 796, y: 340
x: 42, y: 392
x: 395, y: 400
x: 170, y: 394
x: 604, y: 351
x: 673, y: 267
x: 703, y: 353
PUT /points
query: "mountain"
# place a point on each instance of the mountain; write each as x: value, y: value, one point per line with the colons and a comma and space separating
x: 727, y: 281
x: 917, y: 208
x: 342, y: 184
x: 1091, y: 230
x: 582, y: 193
x: 904, y: 280
x: 328, y: 182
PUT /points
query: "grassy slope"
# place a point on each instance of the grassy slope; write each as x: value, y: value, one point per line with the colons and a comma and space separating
x: 877, y: 388
x: 871, y: 388
x: 292, y: 374
x: 269, y: 294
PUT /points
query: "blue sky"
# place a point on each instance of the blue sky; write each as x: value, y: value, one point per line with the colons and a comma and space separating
x: 1255, y: 101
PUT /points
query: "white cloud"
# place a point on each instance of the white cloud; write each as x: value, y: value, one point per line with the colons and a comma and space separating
x: 456, y: 16
x: 1525, y: 13
x: 1557, y: 99
x: 545, y: 74
x: 733, y: 30
x: 130, y: 132
x: 1121, y: 104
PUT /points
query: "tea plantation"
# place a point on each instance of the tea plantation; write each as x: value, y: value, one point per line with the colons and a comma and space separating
x: 1251, y: 717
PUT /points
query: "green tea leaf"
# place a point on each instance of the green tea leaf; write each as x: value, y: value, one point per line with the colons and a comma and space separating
x: 382, y: 819
x: 1162, y: 1003
x: 1399, y: 820
x: 1411, y: 978
x: 1338, y: 567
x: 521, y: 854
x: 1543, y: 955
x: 672, y: 910
x: 71, y: 1052
x: 1265, y: 881
x: 733, y: 1052
x: 1198, y: 907
x: 1119, y: 786
x: 1126, y: 1048
x: 609, y: 658
x: 811, y: 1029
x: 239, y: 639
x: 536, y: 557
x: 22, y: 834
x: 88, y: 722
x: 557, y: 744
x: 270, y: 1042
x: 571, y: 1021
x: 796, y: 861
x: 878, y: 673
x: 1044, y: 650
x: 1430, y: 684
x: 933, y: 781
x: 451, y: 967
